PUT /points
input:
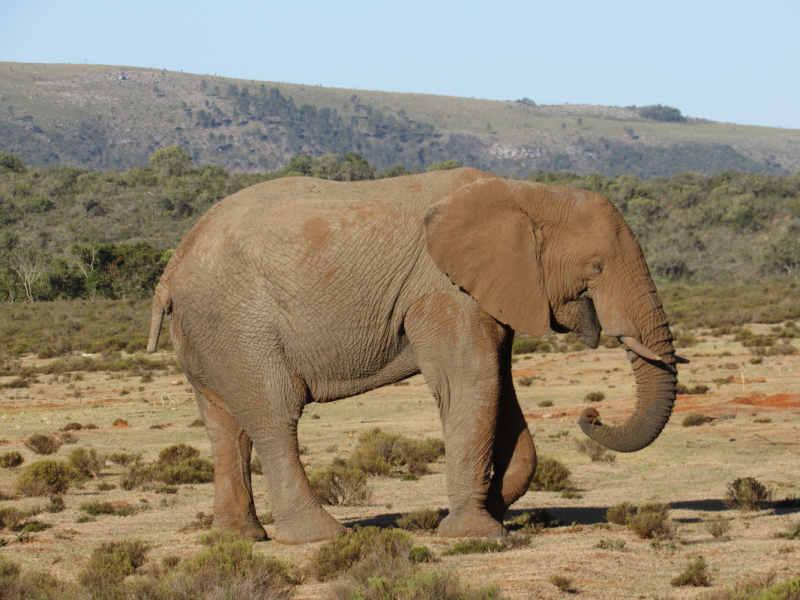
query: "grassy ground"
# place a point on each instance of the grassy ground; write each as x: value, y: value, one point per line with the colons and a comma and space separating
x: 754, y: 433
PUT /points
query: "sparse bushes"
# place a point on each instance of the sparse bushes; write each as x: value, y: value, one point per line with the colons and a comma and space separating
x: 110, y: 563
x: 41, y: 443
x: 747, y: 493
x: 380, y: 453
x: 595, y: 397
x: 695, y: 420
x: 594, y: 450
x: 695, y: 574
x: 551, y: 475
x: 9, y: 460
x: 525, y: 381
x: 88, y: 463
x: 717, y: 525
x: 95, y: 509
x: 424, y: 519
x: 343, y: 551
x: 179, y: 464
x: 651, y: 521
x: 792, y: 532
x: 45, y: 478
x: 620, y: 513
x: 340, y: 483
x: 474, y: 546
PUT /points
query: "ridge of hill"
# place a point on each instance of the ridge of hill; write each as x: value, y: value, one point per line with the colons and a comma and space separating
x: 114, y: 118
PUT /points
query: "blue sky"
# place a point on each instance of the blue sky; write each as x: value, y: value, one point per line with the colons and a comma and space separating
x: 728, y: 61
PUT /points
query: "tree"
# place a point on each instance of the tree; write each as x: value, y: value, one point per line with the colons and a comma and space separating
x: 444, y: 166
x: 11, y: 162
x: 30, y: 265
x: 171, y: 161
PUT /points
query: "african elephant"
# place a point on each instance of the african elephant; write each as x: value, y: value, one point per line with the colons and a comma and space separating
x: 302, y: 290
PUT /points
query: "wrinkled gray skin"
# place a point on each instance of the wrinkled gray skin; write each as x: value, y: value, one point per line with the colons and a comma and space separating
x: 301, y: 290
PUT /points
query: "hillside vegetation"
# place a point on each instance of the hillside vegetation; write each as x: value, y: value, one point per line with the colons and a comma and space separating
x: 115, y: 118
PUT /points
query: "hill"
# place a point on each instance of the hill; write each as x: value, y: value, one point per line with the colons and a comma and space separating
x: 114, y: 118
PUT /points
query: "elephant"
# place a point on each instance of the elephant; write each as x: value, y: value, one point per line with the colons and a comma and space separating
x: 303, y: 290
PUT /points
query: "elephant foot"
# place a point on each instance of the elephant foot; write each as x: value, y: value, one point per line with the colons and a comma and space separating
x: 248, y: 527
x: 312, y: 526
x: 470, y: 524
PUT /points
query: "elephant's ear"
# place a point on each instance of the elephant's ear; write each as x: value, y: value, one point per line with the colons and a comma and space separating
x: 482, y: 239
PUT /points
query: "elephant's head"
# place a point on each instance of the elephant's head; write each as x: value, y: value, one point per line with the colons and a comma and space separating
x: 537, y: 257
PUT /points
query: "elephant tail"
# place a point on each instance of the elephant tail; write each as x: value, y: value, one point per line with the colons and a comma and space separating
x: 162, y: 304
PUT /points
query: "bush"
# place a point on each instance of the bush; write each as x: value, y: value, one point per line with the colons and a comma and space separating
x: 340, y: 483
x: 473, y: 546
x: 41, y: 443
x: 717, y: 525
x: 620, y: 513
x: 339, y: 554
x: 68, y: 438
x: 56, y: 504
x: 45, y: 478
x: 176, y: 454
x: 651, y: 521
x: 695, y: 420
x: 747, y: 493
x: 95, y: 509
x: 86, y: 462
x: 110, y: 563
x: 525, y: 381
x: 122, y: 458
x: 695, y: 573
x: 530, y: 345
x: 380, y: 453
x: 73, y: 426
x: 533, y: 522
x: 595, y: 397
x: 188, y: 471
x: 9, y: 460
x: 594, y: 450
x: 551, y: 475
x: 10, y: 517
x: 424, y: 519
x: 545, y: 403
x: 792, y: 532
x: 561, y: 582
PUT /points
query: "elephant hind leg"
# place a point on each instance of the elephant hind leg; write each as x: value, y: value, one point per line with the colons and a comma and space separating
x: 233, y: 492
x: 514, y: 458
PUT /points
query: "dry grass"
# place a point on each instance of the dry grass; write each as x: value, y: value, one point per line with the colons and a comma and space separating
x: 717, y: 526
x: 424, y: 519
x: 9, y: 460
x: 694, y: 574
x: 651, y: 522
x: 594, y: 450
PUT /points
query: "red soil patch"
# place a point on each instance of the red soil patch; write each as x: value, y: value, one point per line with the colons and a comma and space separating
x: 776, y: 401
x: 121, y: 423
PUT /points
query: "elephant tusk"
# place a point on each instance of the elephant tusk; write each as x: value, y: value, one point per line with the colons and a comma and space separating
x: 639, y: 348
x: 681, y: 361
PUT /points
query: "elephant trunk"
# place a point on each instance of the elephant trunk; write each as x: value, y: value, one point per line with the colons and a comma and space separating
x: 162, y: 304
x: 656, y: 378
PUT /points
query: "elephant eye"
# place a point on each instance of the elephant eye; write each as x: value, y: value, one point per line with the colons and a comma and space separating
x: 595, y: 267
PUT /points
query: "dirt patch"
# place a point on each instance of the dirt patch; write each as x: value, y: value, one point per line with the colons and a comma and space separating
x: 774, y: 401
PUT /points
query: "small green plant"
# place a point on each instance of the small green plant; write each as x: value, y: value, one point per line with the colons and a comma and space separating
x: 763, y: 421
x: 651, y: 522
x: 45, y: 478
x: 792, y: 532
x: 85, y: 519
x: 197, y: 423
x: 620, y: 513
x: 474, y: 546
x: 551, y: 475
x: 694, y: 574
x: 695, y: 420
x: 88, y: 463
x: 95, y: 509
x: 201, y: 521
x: 339, y: 554
x: 41, y: 443
x: 517, y: 539
x: 123, y: 459
x: 525, y: 381
x: 717, y: 525
x: 110, y: 563
x: 9, y: 460
x: 562, y: 582
x: 533, y: 522
x: 755, y: 360
x: 611, y: 544
x: 594, y: 450
x: 105, y: 487
x: 424, y: 519
x: 530, y: 345
x: 56, y: 504
x: 747, y: 493
x: 595, y: 397
x: 421, y: 554
x: 545, y: 403
x: 340, y: 483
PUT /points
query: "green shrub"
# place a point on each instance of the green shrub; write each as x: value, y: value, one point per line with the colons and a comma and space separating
x: 595, y: 397
x: 525, y: 381
x: 421, y: 554
x: 717, y: 525
x: 611, y: 544
x: 424, y: 519
x: 695, y: 420
x: 95, y: 509
x: 190, y: 470
x: 88, y: 463
x: 197, y: 423
x: 56, y: 504
x: 562, y: 582
x: 176, y: 454
x: 340, y: 483
x: 473, y: 546
x: 110, y: 563
x: 695, y: 574
x: 339, y: 554
x: 651, y: 521
x: 620, y: 513
x: 201, y: 521
x: 380, y: 453
x: 123, y: 458
x: 533, y: 521
x: 73, y: 426
x: 545, y: 403
x: 594, y: 450
x: 792, y: 532
x: 747, y: 493
x: 9, y: 460
x: 685, y: 340
x: 10, y: 517
x: 530, y: 345
x: 41, y: 443
x: 45, y: 478
x: 551, y: 475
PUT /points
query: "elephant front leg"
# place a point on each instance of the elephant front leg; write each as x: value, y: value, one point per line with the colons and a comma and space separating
x: 233, y: 491
x: 460, y: 366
